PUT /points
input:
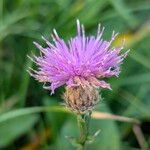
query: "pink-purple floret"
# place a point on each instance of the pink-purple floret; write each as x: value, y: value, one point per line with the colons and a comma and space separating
x: 84, y: 59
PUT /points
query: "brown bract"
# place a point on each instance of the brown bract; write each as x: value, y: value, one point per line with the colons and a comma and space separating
x: 81, y: 98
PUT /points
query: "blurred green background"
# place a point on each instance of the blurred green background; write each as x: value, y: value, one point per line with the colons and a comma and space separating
x: 44, y: 127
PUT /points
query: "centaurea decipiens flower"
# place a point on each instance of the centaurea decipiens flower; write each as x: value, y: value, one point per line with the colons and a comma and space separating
x: 80, y: 65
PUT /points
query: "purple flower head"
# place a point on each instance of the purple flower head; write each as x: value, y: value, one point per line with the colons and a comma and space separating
x: 82, y: 60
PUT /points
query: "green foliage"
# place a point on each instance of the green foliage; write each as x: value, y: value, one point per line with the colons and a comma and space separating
x: 26, y: 110
x: 13, y: 128
x: 109, y: 137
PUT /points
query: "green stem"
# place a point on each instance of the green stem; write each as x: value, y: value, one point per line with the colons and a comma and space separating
x: 83, y: 123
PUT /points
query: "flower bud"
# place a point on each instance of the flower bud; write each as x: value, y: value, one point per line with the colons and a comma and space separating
x: 81, y: 99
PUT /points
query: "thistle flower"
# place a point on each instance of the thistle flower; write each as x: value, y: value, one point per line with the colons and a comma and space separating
x: 80, y: 65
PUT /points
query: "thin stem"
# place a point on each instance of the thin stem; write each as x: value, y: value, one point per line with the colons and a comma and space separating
x: 139, y: 136
x: 83, y: 123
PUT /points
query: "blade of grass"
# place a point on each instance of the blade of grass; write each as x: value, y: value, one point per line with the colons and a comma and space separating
x: 133, y: 39
x: 140, y: 59
x: 31, y: 110
x: 111, y: 14
x: 1, y: 12
x: 10, y: 20
x: 24, y: 83
x: 133, y: 80
x: 104, y: 115
x: 123, y: 11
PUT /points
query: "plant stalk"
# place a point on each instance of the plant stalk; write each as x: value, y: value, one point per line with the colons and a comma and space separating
x: 83, y: 124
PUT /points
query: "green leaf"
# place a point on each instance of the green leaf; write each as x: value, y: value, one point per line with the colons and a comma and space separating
x: 69, y: 129
x: 91, y: 138
x: 55, y: 119
x: 109, y: 137
x: 13, y: 128
x: 25, y: 111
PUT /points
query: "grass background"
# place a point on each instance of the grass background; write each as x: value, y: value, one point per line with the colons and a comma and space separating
x: 30, y: 118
